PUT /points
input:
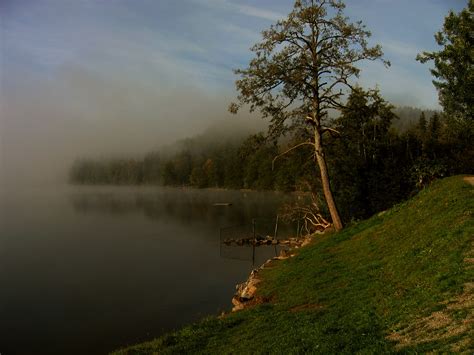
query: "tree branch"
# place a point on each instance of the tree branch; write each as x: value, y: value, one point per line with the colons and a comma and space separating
x: 333, y: 132
x: 289, y: 150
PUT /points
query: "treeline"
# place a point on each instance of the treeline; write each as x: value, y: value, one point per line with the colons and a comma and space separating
x: 245, y: 164
x: 373, y: 164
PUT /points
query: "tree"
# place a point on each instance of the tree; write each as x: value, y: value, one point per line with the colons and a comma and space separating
x: 301, y: 71
x: 169, y: 175
x: 210, y: 170
x: 422, y: 124
x: 198, y: 177
x: 454, y: 64
x: 362, y: 156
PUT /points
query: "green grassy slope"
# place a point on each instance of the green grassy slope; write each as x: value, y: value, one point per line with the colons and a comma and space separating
x: 400, y: 281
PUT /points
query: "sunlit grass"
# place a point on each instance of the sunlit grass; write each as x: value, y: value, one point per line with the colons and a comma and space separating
x: 349, y: 291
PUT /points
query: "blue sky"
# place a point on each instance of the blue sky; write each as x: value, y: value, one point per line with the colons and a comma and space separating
x: 197, y: 42
x: 102, y: 77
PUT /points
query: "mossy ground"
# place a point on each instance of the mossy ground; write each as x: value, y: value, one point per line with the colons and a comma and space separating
x: 400, y: 281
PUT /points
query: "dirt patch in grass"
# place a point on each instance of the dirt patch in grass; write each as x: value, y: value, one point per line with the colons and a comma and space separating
x: 469, y: 179
x: 441, y: 325
x: 455, y: 321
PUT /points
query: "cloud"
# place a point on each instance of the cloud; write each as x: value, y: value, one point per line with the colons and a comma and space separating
x: 240, y: 31
x: 404, y: 50
x: 399, y: 85
x: 247, y: 10
x: 257, y: 12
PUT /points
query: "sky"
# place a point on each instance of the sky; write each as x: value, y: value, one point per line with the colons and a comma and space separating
x: 103, y: 77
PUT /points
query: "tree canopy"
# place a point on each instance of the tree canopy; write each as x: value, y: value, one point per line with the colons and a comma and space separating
x: 302, y: 70
x: 454, y: 63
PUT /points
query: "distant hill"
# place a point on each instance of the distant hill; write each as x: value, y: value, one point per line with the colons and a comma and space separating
x: 237, y: 130
x: 409, y: 116
x: 220, y: 132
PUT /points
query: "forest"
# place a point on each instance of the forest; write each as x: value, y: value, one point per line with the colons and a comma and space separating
x: 382, y: 157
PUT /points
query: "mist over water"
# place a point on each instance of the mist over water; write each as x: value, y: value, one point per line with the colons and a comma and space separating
x: 46, y: 125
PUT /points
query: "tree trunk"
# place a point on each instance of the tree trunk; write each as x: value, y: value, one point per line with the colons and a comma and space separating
x: 321, y: 160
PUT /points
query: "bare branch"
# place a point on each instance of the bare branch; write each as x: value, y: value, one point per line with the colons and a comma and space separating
x: 333, y: 132
x: 289, y: 150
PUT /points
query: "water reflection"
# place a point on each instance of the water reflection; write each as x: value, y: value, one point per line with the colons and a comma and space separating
x: 235, y: 214
x: 182, y: 205
x: 85, y: 270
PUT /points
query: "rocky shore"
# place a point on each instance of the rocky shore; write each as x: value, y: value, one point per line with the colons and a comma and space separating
x: 245, y: 295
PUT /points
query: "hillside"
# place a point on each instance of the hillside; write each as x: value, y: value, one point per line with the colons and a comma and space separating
x: 399, y: 281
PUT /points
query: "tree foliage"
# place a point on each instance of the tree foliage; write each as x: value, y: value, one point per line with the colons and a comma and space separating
x: 302, y: 70
x: 454, y: 63
x: 303, y: 65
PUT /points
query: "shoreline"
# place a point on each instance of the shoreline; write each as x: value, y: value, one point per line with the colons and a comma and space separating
x: 246, y: 292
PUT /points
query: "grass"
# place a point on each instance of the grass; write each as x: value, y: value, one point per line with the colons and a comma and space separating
x: 397, y: 282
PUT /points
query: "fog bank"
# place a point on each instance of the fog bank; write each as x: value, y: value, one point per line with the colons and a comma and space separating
x: 46, y: 124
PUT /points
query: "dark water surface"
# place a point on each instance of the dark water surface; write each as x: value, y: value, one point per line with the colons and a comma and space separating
x: 85, y: 270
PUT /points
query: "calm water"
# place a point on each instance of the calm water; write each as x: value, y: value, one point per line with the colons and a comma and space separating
x: 85, y: 270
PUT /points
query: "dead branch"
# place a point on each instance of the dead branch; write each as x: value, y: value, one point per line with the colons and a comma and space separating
x: 333, y: 132
x: 289, y: 150
x: 308, y: 212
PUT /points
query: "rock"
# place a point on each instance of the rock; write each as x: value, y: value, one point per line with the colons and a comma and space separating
x: 245, y: 291
x: 265, y: 264
x: 236, y: 301
x: 238, y: 306
x: 284, y: 252
x: 248, y: 293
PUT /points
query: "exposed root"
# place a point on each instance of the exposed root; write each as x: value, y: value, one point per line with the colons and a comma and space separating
x: 308, y: 212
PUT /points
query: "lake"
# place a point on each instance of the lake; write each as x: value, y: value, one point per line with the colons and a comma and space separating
x: 86, y: 270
